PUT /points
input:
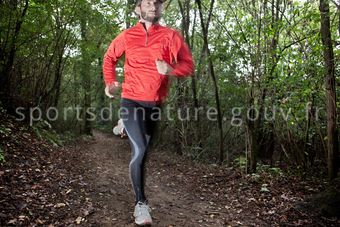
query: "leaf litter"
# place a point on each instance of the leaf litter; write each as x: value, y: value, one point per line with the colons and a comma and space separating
x: 41, y: 184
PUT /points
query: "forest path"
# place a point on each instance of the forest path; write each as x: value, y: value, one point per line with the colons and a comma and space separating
x: 185, y: 193
x: 87, y: 183
x: 173, y: 203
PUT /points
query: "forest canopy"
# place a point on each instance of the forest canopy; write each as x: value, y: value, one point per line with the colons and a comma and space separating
x: 264, y: 87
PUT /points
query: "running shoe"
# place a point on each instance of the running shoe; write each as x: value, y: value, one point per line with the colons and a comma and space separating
x: 142, y: 214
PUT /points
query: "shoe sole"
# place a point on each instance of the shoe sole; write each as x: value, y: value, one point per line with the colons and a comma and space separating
x: 144, y: 223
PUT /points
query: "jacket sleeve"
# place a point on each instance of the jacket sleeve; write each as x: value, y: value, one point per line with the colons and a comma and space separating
x: 111, y: 57
x: 181, y: 57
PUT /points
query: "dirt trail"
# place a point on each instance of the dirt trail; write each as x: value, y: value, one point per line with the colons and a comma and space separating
x: 184, y: 193
x: 172, y: 204
x: 87, y: 184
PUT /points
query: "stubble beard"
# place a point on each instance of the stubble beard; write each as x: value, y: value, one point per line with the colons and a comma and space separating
x: 153, y: 20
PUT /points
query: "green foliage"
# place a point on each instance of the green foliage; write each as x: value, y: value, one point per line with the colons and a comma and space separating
x: 254, y: 53
x: 5, y: 131
x: 2, y: 156
x: 240, y: 162
x: 44, y: 131
x: 275, y: 171
x: 2, y: 110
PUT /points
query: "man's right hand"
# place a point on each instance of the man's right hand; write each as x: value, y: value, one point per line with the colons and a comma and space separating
x: 111, y: 89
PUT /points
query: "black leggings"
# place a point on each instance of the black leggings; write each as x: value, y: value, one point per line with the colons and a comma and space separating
x: 139, y: 119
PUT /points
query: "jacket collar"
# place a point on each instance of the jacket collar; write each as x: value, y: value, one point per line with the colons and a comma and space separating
x: 153, y: 27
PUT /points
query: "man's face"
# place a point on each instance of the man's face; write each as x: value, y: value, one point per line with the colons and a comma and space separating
x: 151, y: 10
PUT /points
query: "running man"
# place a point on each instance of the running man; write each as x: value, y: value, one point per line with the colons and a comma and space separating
x: 153, y: 53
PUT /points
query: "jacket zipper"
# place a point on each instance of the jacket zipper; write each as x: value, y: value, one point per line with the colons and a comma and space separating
x: 147, y: 38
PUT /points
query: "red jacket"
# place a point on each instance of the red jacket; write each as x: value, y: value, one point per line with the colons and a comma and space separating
x: 142, y: 48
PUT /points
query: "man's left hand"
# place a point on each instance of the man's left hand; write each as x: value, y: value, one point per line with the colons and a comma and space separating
x: 163, y: 67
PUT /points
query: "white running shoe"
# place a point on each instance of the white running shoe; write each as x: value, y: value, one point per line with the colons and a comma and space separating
x: 142, y: 214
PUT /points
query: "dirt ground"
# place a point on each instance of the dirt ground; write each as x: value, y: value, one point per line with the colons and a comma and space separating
x: 183, y: 193
x: 172, y: 202
x: 87, y: 184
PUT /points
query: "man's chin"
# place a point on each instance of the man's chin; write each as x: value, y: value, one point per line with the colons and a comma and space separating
x: 152, y: 19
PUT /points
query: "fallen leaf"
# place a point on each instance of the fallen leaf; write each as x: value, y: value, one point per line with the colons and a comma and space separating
x: 36, y: 186
x: 59, y: 205
x: 79, y: 220
x: 39, y: 221
x: 264, y: 188
x: 252, y: 200
x: 22, y: 217
x: 271, y: 212
x: 283, y: 196
x: 11, y: 222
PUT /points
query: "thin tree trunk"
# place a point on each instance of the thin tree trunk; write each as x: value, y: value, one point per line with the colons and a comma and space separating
x: 86, y: 78
x: 213, y: 76
x: 254, y: 119
x: 185, y: 12
x: 332, y: 135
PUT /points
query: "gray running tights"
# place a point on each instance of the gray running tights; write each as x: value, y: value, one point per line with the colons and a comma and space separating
x: 139, y: 119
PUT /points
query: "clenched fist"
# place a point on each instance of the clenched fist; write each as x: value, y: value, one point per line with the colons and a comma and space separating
x: 111, y: 89
x: 163, y: 67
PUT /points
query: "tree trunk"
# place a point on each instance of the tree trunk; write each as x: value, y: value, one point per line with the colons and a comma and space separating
x: 254, y: 121
x: 196, y: 135
x: 86, y: 79
x: 332, y: 135
x: 213, y: 76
